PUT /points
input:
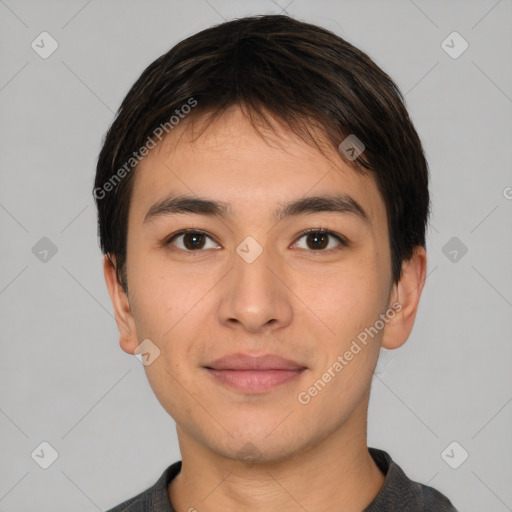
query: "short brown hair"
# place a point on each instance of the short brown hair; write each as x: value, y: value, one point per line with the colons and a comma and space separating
x: 302, y: 75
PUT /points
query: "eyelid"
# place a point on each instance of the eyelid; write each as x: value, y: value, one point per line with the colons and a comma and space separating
x: 340, y: 238
x: 168, y: 240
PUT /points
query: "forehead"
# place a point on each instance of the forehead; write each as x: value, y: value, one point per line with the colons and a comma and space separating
x: 247, y: 168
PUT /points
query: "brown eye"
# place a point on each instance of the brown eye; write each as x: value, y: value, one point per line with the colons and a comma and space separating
x: 317, y: 240
x: 321, y: 240
x: 192, y: 241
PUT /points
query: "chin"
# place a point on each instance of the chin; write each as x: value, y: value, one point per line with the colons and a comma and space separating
x: 260, y: 452
x: 259, y: 446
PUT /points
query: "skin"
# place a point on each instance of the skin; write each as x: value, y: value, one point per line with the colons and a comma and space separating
x: 302, y: 303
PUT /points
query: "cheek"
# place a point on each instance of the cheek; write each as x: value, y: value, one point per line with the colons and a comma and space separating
x: 346, y: 299
x: 162, y: 295
x: 169, y: 308
x: 152, y: 309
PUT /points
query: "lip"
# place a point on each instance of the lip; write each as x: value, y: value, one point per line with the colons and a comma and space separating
x: 246, y: 362
x: 251, y: 374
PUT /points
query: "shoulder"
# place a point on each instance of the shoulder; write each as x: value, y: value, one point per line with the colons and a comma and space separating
x: 131, y: 505
x: 400, y: 492
x: 153, y: 499
x: 434, y: 500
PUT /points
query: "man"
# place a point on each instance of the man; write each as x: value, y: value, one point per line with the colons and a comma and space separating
x: 263, y: 200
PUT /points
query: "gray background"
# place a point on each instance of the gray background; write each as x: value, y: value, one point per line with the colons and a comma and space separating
x: 64, y: 380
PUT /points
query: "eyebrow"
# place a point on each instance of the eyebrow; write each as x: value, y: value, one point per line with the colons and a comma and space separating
x: 176, y: 204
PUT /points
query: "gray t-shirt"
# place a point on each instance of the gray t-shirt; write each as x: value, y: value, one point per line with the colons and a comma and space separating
x: 398, y: 494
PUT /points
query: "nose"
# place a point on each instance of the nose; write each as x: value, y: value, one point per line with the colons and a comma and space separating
x: 253, y: 298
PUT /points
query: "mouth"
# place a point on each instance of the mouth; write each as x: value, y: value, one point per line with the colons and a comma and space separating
x: 250, y: 374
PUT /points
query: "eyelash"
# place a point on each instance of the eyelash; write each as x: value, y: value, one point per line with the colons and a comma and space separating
x: 341, y: 239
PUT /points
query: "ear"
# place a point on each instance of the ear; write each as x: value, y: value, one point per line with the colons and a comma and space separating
x: 405, y: 295
x: 128, y: 339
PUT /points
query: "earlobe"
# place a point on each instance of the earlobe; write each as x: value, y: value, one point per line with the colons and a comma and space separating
x: 125, y: 323
x: 406, y: 297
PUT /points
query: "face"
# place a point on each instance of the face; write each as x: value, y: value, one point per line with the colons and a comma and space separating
x: 242, y: 282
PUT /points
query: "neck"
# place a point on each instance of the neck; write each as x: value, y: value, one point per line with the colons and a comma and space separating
x: 335, y: 473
